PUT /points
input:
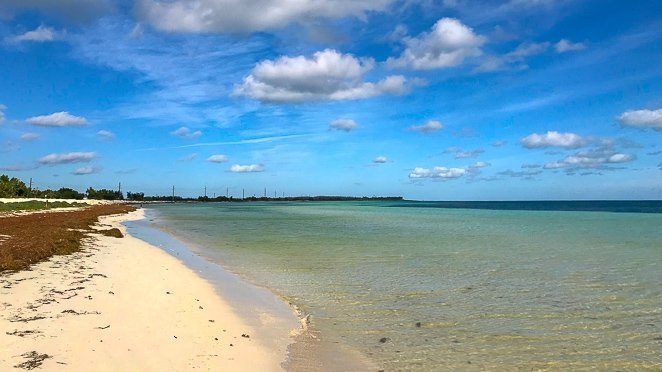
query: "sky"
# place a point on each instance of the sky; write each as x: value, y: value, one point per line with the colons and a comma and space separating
x: 430, y: 100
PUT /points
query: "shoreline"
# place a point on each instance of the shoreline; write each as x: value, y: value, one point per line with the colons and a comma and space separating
x: 307, y: 349
x: 114, y: 303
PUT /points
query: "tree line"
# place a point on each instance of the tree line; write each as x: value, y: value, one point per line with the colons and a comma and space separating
x: 15, y: 188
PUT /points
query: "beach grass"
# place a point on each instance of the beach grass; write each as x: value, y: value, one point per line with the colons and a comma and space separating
x: 58, y: 234
x: 36, y: 205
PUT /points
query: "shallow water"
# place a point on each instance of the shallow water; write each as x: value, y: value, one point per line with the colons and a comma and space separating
x: 420, y: 288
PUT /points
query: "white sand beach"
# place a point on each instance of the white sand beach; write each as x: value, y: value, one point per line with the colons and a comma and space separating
x: 122, y: 304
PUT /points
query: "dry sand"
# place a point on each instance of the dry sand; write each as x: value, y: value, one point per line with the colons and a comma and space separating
x: 122, y: 305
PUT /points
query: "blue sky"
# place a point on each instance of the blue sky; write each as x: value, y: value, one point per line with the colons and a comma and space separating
x: 446, y: 100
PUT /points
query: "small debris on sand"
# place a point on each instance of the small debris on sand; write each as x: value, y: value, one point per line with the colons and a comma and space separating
x: 34, y: 360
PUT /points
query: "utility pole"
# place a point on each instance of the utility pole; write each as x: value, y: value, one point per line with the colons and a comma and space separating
x: 243, y: 194
x: 173, y: 193
x: 120, y: 187
x: 30, y: 183
x: 205, y: 191
x: 227, y: 192
x: 265, y: 192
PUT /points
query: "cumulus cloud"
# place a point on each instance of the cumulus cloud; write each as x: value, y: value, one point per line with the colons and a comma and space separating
x: 437, y: 172
x: 106, y: 135
x: 430, y: 126
x: 603, y: 157
x: 40, y: 34
x: 553, y: 139
x: 67, y: 158
x: 217, y: 159
x: 642, y: 119
x: 29, y: 137
x: 459, y: 153
x: 186, y: 133
x: 380, y: 160
x: 328, y: 75
x: 447, y: 44
x: 57, y: 119
x: 86, y: 170
x: 344, y: 125
x: 564, y: 46
x: 247, y: 15
x: 246, y: 168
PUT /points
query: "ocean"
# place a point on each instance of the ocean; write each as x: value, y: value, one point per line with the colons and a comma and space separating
x: 445, y: 285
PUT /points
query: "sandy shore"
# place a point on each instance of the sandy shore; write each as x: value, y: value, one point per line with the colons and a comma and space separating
x: 122, y: 304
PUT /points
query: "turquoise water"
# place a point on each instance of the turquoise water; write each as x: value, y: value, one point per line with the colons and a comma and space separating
x: 432, y: 288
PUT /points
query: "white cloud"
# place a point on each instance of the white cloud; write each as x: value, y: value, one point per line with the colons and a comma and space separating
x: 186, y: 133
x: 526, y: 174
x: 380, y: 160
x: 642, y: 119
x: 463, y: 154
x: 553, y: 139
x: 345, y: 125
x: 67, y: 158
x: 246, y: 168
x: 480, y: 164
x: 567, y: 46
x: 40, y: 34
x: 2, y: 113
x: 448, y: 44
x: 29, y: 136
x: 247, y: 15
x: 437, y: 172
x: 499, y: 143
x: 57, y: 119
x: 86, y: 170
x: 430, y: 126
x: 217, y: 159
x: 328, y: 75
x: 598, y: 158
x: 106, y: 135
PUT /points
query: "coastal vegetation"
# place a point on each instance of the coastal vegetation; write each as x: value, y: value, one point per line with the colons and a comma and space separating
x: 34, y: 205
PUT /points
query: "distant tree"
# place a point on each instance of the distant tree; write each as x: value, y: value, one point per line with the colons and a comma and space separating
x: 104, y: 194
x: 12, y: 188
x: 135, y: 196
